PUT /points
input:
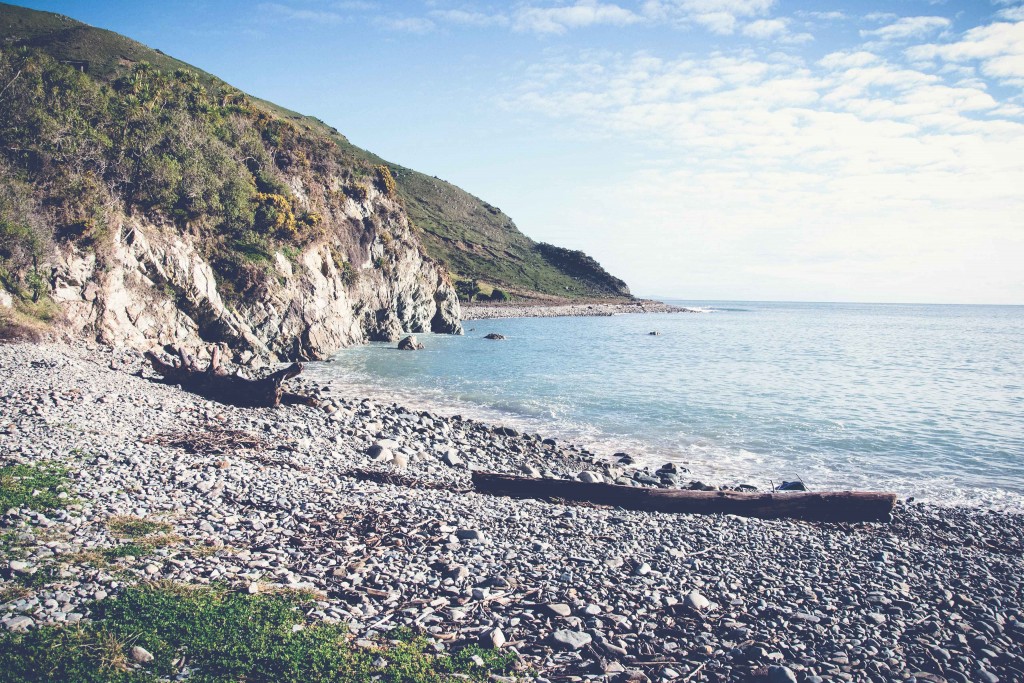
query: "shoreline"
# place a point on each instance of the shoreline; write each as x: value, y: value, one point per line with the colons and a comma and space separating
x: 545, y: 309
x: 574, y: 590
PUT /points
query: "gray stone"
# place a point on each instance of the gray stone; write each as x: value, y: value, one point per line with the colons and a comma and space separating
x: 21, y: 567
x: 572, y: 640
x: 695, y: 600
x: 559, y: 609
x: 141, y: 654
x: 452, y: 459
x: 588, y: 477
x: 410, y: 343
x: 495, y: 638
x: 781, y: 674
x: 18, y: 623
x: 471, y: 535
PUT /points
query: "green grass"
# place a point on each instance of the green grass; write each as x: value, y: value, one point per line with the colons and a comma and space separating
x: 223, y: 637
x: 37, y: 487
x: 130, y: 526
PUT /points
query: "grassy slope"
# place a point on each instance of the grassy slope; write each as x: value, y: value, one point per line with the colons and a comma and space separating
x: 473, y: 239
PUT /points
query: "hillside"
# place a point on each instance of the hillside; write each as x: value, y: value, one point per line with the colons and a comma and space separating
x: 468, y: 236
x: 144, y: 203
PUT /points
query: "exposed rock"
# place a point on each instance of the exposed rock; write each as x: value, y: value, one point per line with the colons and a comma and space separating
x: 18, y: 623
x: 572, y: 640
x: 156, y: 287
x: 695, y: 600
x: 410, y: 343
x: 494, y: 335
x: 141, y: 654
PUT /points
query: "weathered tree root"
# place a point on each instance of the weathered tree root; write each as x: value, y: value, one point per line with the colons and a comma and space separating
x: 216, y: 384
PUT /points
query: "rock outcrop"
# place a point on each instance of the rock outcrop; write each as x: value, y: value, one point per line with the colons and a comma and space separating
x: 155, y: 287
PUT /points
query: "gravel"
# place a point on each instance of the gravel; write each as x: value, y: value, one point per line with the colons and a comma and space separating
x: 581, y: 591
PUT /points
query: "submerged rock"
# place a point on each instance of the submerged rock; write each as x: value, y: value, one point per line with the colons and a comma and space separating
x: 494, y: 335
x: 410, y: 343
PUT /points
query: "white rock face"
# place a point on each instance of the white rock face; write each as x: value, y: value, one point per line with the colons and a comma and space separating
x: 356, y: 283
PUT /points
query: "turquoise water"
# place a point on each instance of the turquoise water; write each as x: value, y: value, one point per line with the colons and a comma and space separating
x: 924, y: 400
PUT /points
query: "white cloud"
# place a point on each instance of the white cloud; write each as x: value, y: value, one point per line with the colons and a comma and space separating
x: 469, y: 18
x: 583, y: 13
x: 845, y: 60
x: 854, y: 175
x: 999, y: 48
x: 1011, y: 13
x: 907, y: 28
x: 418, y: 25
x: 297, y: 14
x: 775, y: 29
x: 765, y: 28
x: 718, y: 16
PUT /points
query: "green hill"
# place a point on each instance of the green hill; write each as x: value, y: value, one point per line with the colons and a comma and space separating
x: 471, y: 238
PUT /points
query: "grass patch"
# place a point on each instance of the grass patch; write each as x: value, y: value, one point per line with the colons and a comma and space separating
x: 130, y: 526
x: 37, y: 487
x: 222, y: 636
x: 42, y: 576
x: 13, y: 591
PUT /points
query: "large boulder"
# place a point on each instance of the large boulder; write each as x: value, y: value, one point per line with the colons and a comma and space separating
x: 409, y: 344
x: 494, y: 335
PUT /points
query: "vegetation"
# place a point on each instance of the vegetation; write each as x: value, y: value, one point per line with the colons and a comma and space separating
x: 36, y: 487
x: 222, y: 636
x: 176, y: 146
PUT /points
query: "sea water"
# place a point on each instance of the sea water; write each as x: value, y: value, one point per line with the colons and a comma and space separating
x: 924, y: 400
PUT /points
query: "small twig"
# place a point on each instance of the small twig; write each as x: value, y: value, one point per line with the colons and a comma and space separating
x: 16, y: 77
x: 696, y: 671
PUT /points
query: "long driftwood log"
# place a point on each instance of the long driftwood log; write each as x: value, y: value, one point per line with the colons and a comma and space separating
x: 839, y: 506
x: 215, y: 383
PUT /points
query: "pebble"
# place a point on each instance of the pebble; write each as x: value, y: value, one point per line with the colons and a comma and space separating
x: 141, y: 654
x: 573, y: 640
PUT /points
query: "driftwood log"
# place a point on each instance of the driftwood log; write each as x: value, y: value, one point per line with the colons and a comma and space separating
x: 839, y: 506
x: 216, y: 384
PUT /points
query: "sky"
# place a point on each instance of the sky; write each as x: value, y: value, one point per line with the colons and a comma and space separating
x: 700, y: 149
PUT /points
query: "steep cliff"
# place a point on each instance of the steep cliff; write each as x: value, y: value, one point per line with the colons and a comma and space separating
x: 143, y: 206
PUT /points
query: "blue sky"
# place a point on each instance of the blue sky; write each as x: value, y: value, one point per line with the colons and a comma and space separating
x: 715, y: 149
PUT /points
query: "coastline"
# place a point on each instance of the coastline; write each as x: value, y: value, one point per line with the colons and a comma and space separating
x: 575, y: 590
x: 555, y: 309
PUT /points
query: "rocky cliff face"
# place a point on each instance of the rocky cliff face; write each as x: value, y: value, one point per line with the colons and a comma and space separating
x: 153, y: 286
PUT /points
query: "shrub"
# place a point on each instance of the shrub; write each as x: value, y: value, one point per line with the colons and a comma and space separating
x: 274, y: 215
x: 499, y: 295
x: 387, y: 181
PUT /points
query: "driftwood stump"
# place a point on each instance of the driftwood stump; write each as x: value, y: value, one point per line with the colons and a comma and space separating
x: 836, y: 506
x: 216, y: 384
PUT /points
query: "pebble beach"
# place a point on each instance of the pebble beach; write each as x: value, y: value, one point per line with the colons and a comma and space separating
x: 370, y: 505
x: 557, y: 309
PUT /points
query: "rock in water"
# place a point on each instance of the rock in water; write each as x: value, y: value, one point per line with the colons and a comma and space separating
x: 793, y: 486
x: 494, y: 335
x: 410, y: 343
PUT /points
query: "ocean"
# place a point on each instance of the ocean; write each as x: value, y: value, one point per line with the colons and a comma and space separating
x: 923, y: 400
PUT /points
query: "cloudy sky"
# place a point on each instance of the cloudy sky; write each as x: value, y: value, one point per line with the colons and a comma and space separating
x: 700, y: 149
